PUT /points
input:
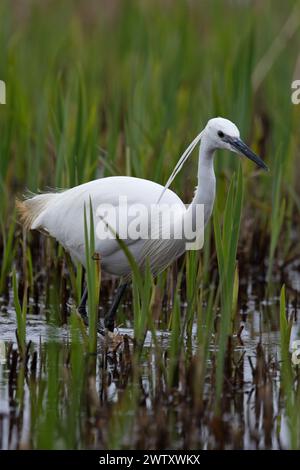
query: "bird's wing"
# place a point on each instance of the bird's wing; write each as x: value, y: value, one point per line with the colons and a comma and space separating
x: 162, y: 248
x: 64, y: 218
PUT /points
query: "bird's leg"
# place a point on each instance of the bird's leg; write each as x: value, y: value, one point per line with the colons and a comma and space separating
x: 82, y: 306
x: 109, y: 319
x: 83, y: 313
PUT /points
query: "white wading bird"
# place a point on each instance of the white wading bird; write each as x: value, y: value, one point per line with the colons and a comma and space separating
x: 60, y: 214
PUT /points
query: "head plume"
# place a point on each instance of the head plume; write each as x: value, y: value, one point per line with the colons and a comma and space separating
x: 180, y: 163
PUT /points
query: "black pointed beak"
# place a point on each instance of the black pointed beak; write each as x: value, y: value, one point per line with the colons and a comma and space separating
x: 241, y: 147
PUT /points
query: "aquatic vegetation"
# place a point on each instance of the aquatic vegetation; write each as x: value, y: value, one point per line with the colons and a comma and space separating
x: 202, y: 357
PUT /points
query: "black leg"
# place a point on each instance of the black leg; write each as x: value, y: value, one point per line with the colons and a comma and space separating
x: 82, y: 306
x: 83, y: 313
x: 109, y: 319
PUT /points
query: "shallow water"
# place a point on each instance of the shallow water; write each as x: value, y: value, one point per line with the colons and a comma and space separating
x: 253, y: 416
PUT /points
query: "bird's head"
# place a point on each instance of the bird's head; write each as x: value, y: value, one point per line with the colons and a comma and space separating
x: 221, y: 133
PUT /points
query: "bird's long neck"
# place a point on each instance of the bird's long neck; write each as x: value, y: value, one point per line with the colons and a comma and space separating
x: 206, y: 189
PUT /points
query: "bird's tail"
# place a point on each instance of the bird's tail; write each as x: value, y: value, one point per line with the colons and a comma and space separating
x: 29, y: 209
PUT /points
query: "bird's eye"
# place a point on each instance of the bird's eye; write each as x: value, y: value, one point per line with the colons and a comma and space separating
x: 221, y: 134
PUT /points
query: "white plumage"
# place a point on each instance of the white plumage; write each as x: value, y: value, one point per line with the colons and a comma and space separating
x: 63, y: 217
x: 61, y: 214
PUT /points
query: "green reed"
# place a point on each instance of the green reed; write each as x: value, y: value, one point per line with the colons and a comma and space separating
x: 67, y: 121
x: 124, y: 93
x: 226, y: 246
x: 289, y: 379
x: 93, y: 276
x: 21, y: 313
x: 9, y: 249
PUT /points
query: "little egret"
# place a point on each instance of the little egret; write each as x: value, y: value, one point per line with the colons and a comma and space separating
x: 60, y: 214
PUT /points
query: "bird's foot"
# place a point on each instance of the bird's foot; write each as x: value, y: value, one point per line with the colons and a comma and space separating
x: 103, y: 330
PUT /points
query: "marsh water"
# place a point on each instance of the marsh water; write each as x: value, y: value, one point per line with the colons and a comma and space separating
x: 45, y: 403
x: 115, y: 88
